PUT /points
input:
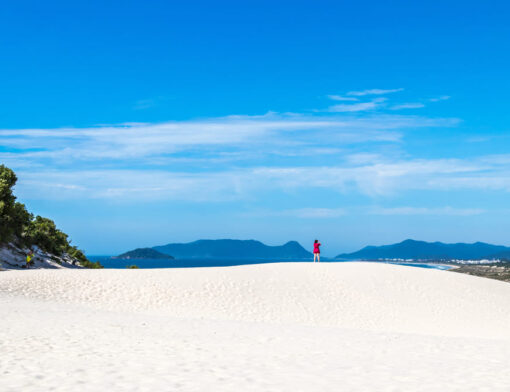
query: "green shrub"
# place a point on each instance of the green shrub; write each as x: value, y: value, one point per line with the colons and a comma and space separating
x: 91, y: 264
x: 132, y: 266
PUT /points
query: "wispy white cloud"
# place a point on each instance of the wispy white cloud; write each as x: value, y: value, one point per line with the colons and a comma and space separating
x: 357, y: 107
x: 379, y: 179
x: 426, y: 211
x: 314, y: 213
x: 496, y: 159
x: 235, y: 157
x: 409, y: 105
x: 441, y: 98
x: 341, y: 98
x: 374, y: 91
x: 364, y: 158
x: 496, y: 180
x: 300, y: 213
x: 478, y: 139
x: 286, y: 135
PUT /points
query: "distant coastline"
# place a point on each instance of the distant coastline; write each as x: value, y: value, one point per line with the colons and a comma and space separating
x: 432, y: 252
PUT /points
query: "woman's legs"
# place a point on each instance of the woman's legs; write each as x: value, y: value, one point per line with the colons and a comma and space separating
x: 314, y: 257
x: 318, y: 257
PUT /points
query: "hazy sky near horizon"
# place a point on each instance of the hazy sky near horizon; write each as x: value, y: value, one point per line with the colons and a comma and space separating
x: 136, y: 124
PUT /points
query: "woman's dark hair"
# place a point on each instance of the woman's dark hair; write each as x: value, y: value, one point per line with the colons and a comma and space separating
x: 316, y: 241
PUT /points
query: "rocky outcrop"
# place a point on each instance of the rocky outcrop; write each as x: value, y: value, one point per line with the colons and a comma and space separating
x: 14, y: 257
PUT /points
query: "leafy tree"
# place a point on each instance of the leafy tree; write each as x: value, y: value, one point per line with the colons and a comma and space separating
x: 44, y: 233
x: 21, y: 221
x: 77, y: 254
x: 7, y: 201
x: 16, y: 223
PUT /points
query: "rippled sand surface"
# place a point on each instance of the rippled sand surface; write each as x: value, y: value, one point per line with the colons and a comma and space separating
x: 266, y: 327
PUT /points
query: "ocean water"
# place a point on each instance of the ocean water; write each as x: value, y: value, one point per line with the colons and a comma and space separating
x: 423, y: 265
x: 108, y: 262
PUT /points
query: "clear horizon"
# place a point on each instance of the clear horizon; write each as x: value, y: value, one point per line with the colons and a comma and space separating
x: 357, y: 124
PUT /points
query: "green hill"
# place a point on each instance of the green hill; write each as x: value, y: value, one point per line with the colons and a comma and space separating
x: 144, y: 253
x: 235, y: 249
x: 421, y: 250
x: 22, y: 231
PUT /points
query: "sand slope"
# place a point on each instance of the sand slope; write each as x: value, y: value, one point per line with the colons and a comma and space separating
x: 291, y: 326
x: 379, y: 297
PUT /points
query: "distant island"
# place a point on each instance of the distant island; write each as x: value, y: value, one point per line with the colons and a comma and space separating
x: 234, y: 249
x: 223, y: 249
x: 430, y: 251
x: 143, y: 253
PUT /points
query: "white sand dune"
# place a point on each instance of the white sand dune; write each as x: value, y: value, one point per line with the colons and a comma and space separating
x: 271, y: 327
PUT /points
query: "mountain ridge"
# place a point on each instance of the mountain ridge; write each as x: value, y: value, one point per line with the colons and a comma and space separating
x: 422, y: 250
x: 234, y: 249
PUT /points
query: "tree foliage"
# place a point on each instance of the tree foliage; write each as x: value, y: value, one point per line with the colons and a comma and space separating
x: 44, y: 233
x: 7, y: 202
x: 17, y: 224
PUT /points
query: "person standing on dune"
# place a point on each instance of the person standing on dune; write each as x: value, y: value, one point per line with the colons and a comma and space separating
x: 316, y: 251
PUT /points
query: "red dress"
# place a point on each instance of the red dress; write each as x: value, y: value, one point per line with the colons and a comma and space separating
x: 316, y: 247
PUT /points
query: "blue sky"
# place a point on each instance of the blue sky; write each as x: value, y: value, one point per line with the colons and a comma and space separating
x: 141, y: 123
